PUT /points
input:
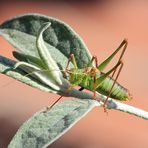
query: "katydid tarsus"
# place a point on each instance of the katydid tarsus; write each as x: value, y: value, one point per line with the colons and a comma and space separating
x: 92, y: 77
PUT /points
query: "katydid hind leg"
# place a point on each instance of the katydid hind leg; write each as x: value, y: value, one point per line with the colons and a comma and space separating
x: 122, y: 46
x: 115, y: 80
x: 105, y: 75
x: 120, y: 59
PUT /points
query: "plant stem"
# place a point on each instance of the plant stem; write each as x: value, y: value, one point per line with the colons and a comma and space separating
x: 111, y: 104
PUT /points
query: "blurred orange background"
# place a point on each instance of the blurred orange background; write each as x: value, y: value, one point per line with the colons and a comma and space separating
x: 102, y: 25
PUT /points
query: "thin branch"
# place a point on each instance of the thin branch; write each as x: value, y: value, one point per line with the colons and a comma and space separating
x: 111, y: 104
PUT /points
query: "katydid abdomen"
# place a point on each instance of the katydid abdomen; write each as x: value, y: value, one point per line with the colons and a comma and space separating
x: 79, y: 77
x: 118, y: 92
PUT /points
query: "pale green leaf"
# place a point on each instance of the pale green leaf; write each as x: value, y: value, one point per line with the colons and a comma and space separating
x: 37, y: 73
x: 29, y: 59
x: 61, y: 38
x: 7, y: 68
x: 46, y: 126
x: 46, y: 58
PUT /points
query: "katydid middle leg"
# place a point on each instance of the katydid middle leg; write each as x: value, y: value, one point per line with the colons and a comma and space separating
x: 94, y: 85
x: 94, y: 71
x: 94, y: 58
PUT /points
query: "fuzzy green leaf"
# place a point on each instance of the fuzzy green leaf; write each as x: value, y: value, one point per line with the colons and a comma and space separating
x: 54, y: 71
x: 46, y: 126
x: 61, y: 39
x: 37, y: 73
x: 7, y: 68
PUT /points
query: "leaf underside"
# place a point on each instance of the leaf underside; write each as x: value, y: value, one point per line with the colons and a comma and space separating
x: 6, y: 67
x: 46, y: 126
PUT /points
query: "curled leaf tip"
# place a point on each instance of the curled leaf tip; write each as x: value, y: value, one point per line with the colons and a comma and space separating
x: 45, y: 68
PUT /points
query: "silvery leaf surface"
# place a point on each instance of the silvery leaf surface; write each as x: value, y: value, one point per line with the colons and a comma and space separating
x: 44, y: 127
x: 60, y: 38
